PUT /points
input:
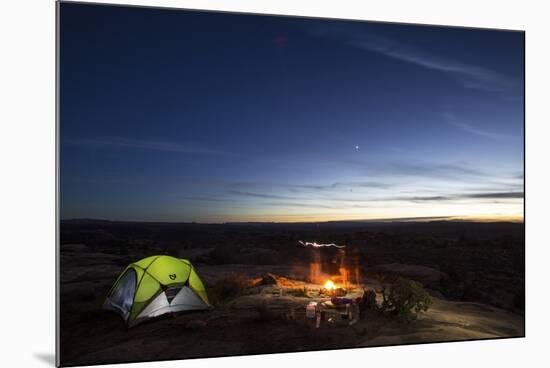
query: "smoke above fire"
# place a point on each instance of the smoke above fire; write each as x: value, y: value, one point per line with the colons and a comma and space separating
x: 318, y: 245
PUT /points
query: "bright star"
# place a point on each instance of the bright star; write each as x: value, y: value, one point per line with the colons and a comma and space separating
x: 357, y: 148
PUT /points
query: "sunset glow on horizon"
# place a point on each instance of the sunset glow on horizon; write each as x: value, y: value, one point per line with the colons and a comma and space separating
x: 215, y: 118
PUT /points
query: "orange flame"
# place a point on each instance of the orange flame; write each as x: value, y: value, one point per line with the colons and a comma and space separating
x: 329, y: 285
x: 315, y: 272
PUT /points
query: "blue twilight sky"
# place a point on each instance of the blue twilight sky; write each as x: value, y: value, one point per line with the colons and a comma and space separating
x: 170, y: 115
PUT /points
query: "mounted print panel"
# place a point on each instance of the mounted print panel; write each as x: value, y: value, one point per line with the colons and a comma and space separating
x: 236, y: 184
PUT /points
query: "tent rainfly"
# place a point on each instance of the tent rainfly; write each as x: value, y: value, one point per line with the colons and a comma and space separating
x: 154, y: 286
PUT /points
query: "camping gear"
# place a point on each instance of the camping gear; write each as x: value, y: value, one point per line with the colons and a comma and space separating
x: 311, y: 309
x: 317, y: 320
x: 343, y: 310
x: 340, y: 292
x: 154, y: 286
x: 340, y: 301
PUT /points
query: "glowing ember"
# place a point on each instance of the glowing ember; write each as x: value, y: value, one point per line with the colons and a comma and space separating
x: 329, y: 285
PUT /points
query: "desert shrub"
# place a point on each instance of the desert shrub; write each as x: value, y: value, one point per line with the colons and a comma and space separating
x: 406, y: 298
x: 227, y: 288
x: 369, y: 300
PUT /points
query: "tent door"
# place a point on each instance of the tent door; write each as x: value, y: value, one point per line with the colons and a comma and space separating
x: 122, y: 296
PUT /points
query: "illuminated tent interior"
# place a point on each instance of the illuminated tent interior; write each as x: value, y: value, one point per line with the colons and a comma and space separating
x: 155, y: 286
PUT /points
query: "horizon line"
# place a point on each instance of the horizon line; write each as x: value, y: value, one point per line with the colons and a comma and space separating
x: 480, y: 219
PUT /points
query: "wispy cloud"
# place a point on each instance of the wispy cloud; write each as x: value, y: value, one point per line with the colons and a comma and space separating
x: 496, y: 195
x: 204, y: 198
x: 260, y: 195
x: 141, y: 144
x: 363, y: 202
x: 469, y: 128
x: 303, y: 205
x: 473, y: 130
x: 343, y: 185
x: 468, y: 75
x: 436, y: 170
x: 454, y: 197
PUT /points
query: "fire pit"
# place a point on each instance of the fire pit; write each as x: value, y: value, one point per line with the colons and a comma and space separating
x: 331, y: 267
x: 330, y: 289
x: 329, y: 285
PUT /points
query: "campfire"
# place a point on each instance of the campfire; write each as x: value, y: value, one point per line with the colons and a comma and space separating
x: 329, y: 285
x: 330, y: 265
x: 331, y: 289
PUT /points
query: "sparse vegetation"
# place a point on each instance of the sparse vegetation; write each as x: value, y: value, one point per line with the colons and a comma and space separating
x: 485, y: 266
x: 369, y: 301
x: 406, y: 298
x: 227, y: 288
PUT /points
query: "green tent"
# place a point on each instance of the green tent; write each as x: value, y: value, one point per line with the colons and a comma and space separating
x: 154, y: 286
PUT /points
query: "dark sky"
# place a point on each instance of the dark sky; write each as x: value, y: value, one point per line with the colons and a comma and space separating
x: 171, y: 115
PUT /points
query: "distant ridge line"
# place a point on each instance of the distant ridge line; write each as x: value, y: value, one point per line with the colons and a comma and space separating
x: 426, y: 219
